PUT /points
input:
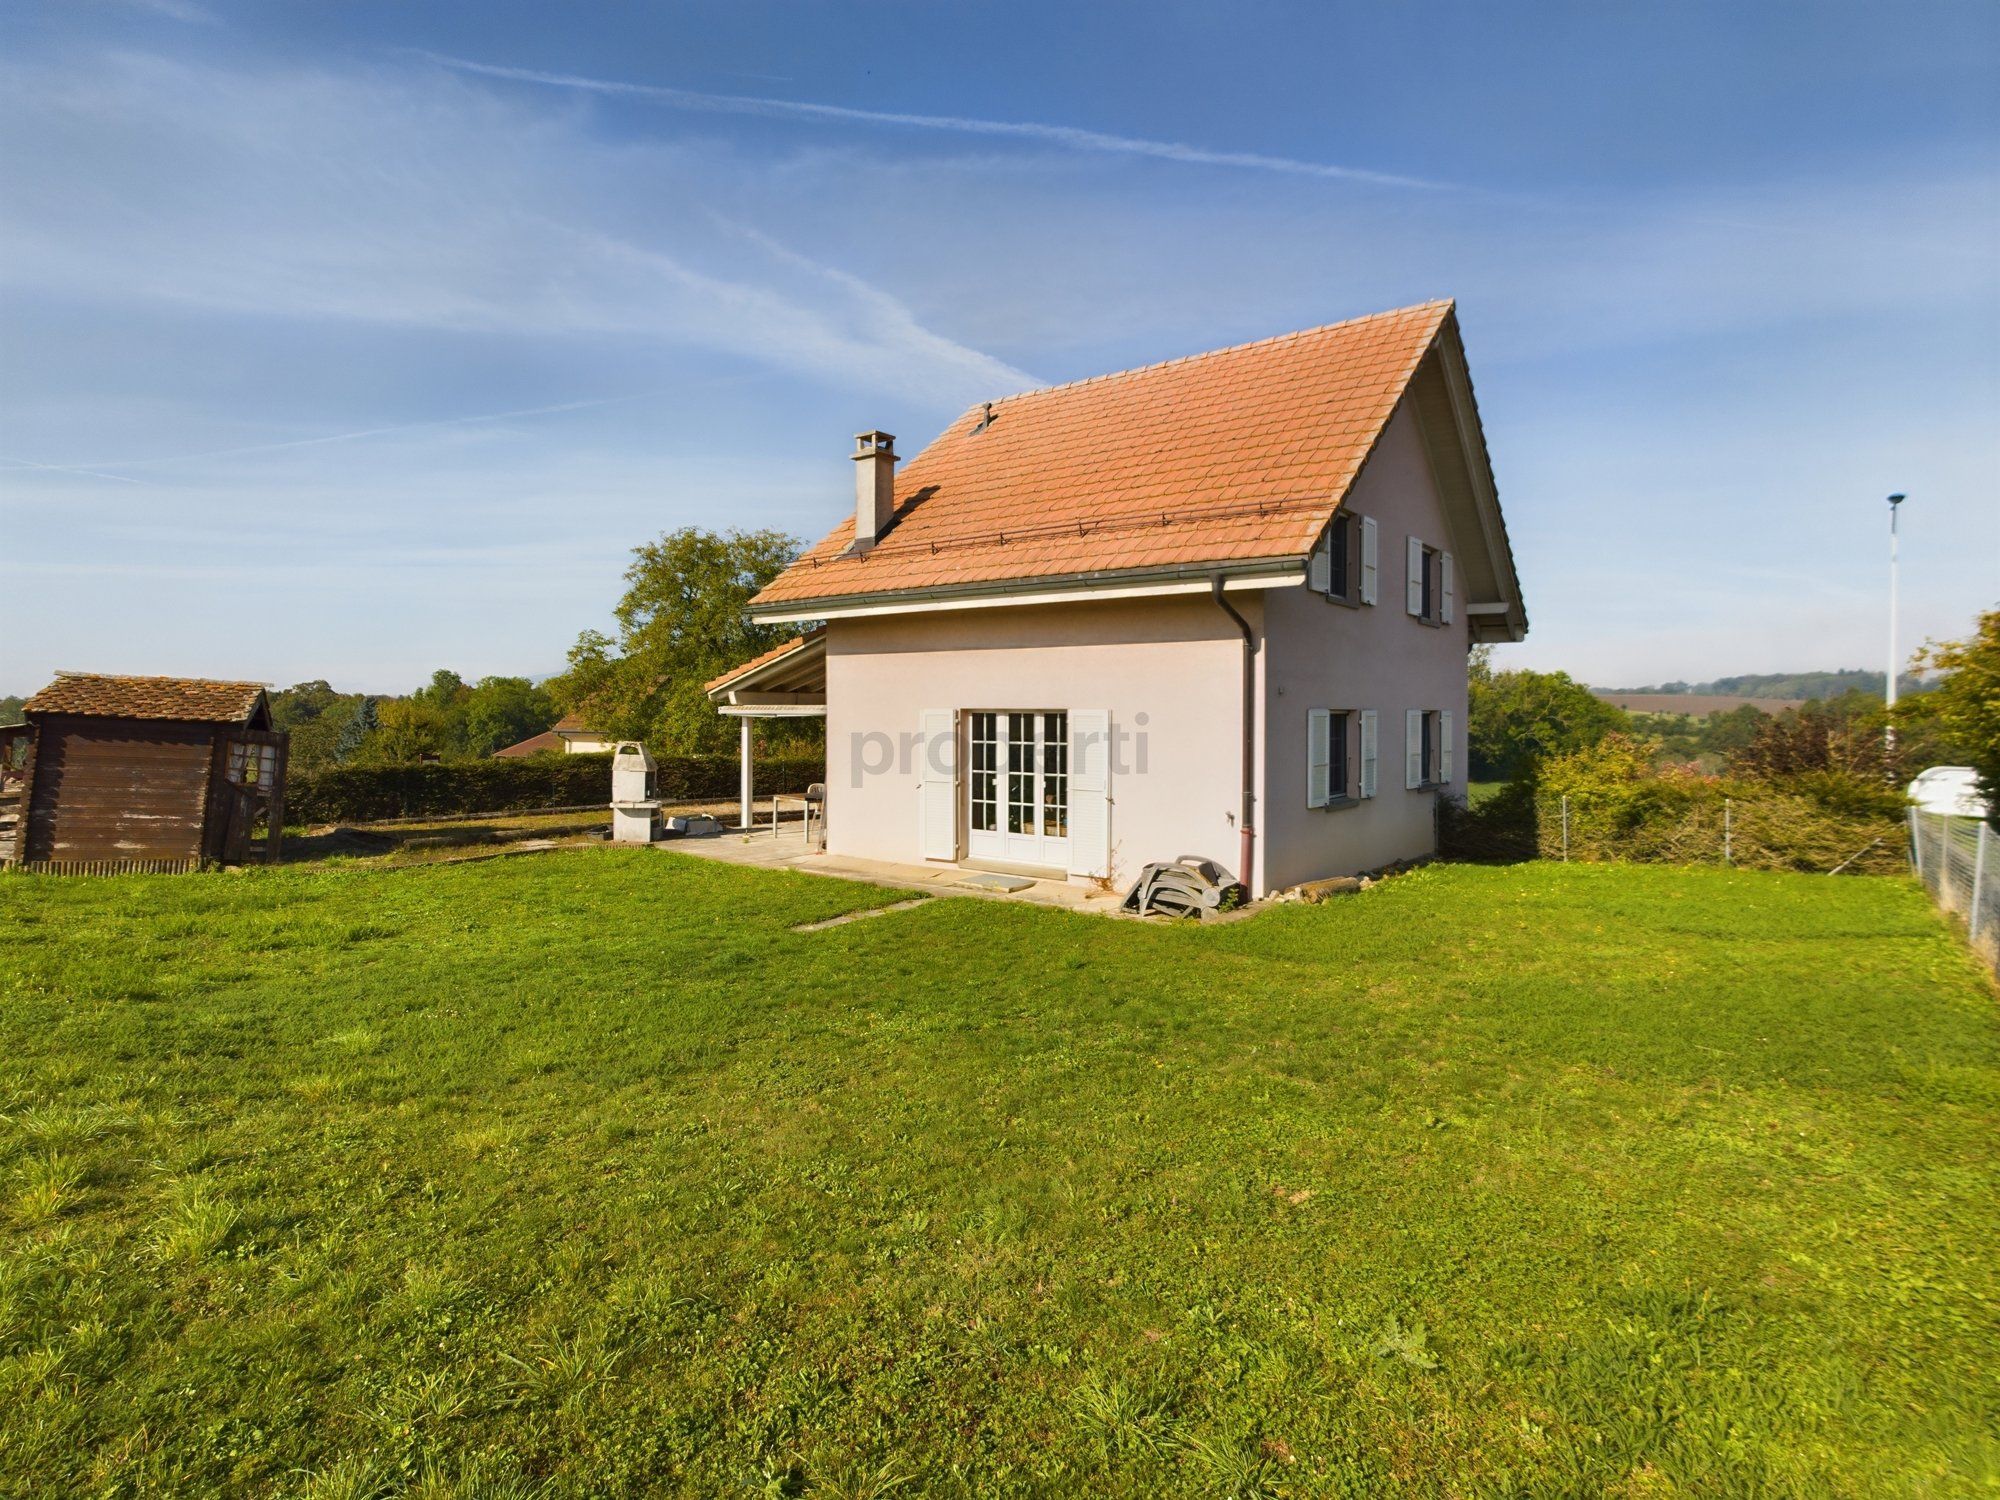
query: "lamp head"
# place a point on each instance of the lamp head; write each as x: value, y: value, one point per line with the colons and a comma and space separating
x: 1895, y: 500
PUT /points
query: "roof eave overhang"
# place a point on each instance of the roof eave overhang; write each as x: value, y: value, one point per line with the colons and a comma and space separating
x: 775, y: 686
x: 1062, y: 588
x: 1454, y: 438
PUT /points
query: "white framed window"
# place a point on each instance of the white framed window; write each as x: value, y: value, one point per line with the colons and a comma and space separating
x: 1332, y: 762
x: 1343, y: 564
x: 1427, y: 753
x: 1430, y: 586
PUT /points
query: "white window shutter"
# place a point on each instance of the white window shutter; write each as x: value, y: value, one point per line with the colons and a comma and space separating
x: 1444, y: 742
x: 1090, y: 791
x: 1368, y: 560
x: 1319, y: 572
x: 1413, y: 747
x: 1444, y: 587
x: 1319, y: 756
x: 1367, y: 752
x: 937, y: 783
x: 1414, y: 589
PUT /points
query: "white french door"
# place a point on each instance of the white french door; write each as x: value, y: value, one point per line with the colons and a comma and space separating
x: 1017, y: 795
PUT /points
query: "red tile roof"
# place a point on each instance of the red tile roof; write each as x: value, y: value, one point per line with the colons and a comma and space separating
x: 786, y: 649
x: 534, y: 744
x: 194, y: 699
x: 1232, y: 456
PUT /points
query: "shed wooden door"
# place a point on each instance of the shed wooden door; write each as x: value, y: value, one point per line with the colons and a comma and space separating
x: 117, y: 789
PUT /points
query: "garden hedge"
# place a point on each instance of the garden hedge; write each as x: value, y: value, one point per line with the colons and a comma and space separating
x: 372, y: 794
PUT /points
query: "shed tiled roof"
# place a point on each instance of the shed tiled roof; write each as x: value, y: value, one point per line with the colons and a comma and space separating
x: 796, y: 643
x: 195, y: 699
x: 1237, y: 455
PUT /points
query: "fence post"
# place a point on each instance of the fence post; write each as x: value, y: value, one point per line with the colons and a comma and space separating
x: 1725, y: 831
x: 1565, y: 827
x: 1978, y: 876
x: 1917, y: 842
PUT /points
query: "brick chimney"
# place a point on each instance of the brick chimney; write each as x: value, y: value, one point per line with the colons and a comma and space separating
x: 874, y: 486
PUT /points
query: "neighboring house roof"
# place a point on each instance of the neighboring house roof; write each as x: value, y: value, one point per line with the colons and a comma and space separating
x: 568, y: 727
x: 534, y: 744
x: 1234, y: 457
x: 189, y: 699
x: 793, y: 647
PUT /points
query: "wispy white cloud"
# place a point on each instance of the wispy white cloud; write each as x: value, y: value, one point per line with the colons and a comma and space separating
x: 359, y: 435
x: 382, y: 199
x: 1070, y: 136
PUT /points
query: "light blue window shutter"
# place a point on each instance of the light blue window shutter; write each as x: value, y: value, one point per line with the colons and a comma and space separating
x: 1444, y: 588
x: 1368, y: 560
x: 1319, y: 572
x: 1444, y: 745
x: 1368, y: 749
x: 1413, y: 589
x: 1090, y: 792
x: 1319, y: 756
x: 1413, y: 748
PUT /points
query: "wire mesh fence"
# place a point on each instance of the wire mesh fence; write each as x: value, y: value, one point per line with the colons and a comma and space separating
x: 1958, y: 860
x: 1679, y: 825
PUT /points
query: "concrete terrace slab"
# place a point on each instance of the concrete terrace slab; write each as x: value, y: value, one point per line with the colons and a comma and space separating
x: 786, y: 849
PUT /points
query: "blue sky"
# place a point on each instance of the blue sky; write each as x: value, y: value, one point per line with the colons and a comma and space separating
x: 350, y: 341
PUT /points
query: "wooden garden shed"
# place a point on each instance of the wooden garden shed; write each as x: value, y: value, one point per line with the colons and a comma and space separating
x: 145, y: 773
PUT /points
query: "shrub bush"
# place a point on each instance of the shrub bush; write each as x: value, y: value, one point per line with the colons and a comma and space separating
x: 370, y: 794
x: 1621, y: 809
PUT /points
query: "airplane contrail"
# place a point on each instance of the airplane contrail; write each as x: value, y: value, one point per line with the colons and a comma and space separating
x: 1072, y: 136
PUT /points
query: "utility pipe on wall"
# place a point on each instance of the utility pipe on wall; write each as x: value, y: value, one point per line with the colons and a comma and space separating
x: 1247, y: 817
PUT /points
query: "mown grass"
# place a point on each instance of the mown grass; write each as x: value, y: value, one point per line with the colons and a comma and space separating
x: 583, y: 1175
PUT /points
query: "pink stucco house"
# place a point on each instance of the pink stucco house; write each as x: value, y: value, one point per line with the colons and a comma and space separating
x: 1219, y: 606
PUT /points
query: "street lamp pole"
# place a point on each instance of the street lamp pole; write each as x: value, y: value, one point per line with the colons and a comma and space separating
x: 1895, y: 664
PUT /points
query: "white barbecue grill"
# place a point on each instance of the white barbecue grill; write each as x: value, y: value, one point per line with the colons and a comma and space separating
x: 635, y: 808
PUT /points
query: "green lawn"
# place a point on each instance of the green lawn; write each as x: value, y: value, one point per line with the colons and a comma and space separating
x: 582, y: 1174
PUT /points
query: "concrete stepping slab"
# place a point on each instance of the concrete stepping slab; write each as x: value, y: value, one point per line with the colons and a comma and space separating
x: 986, y: 881
x: 857, y: 916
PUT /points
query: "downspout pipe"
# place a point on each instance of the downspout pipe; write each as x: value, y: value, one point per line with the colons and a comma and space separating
x: 1246, y: 820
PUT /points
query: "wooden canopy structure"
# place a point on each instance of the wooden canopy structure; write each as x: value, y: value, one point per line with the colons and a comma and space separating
x: 141, y: 773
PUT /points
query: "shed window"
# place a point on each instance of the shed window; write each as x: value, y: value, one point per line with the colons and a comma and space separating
x: 252, y: 765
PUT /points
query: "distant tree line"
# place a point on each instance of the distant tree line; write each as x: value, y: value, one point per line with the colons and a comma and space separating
x: 446, y: 720
x: 1834, y: 750
x: 1821, y: 685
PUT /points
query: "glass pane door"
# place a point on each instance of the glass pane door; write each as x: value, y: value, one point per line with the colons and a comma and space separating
x: 1055, y: 776
x: 985, y: 790
x: 1021, y: 774
x: 1017, y: 792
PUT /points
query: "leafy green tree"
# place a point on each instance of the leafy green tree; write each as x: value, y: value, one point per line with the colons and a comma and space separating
x: 10, y: 709
x: 684, y: 619
x: 502, y: 711
x: 445, y: 691
x: 409, y: 729
x: 1963, y: 711
x: 312, y: 713
x: 1521, y: 717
